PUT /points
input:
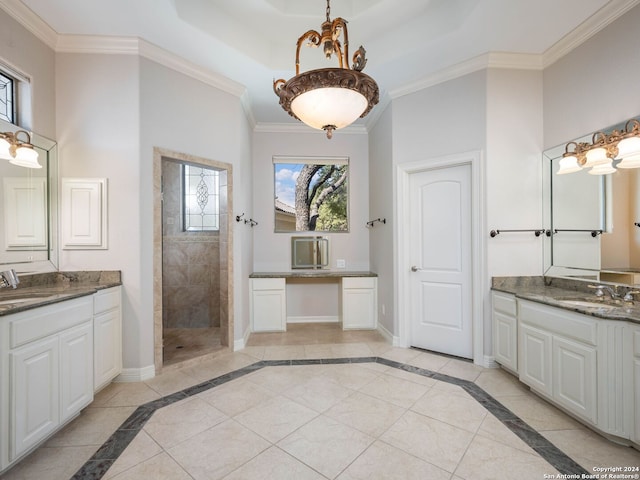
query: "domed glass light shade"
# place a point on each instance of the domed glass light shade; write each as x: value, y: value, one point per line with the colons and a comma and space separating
x: 329, y: 98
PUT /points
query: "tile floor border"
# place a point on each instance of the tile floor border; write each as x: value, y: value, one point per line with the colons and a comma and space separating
x: 98, y: 465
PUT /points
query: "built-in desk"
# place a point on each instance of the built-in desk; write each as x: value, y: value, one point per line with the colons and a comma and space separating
x: 357, y: 298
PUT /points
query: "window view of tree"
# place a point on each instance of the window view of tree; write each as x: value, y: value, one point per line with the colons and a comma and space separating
x: 311, y: 197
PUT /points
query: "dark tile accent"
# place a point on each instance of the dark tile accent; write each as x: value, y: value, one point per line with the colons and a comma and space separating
x: 107, y: 454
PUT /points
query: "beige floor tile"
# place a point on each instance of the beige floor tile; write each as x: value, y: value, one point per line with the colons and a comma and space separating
x: 218, y: 366
x: 401, y: 355
x: 92, y: 427
x: 326, y: 445
x: 125, y: 395
x: 429, y: 361
x: 395, y: 390
x: 276, y: 418
x: 171, y: 382
x: 160, y: 467
x: 141, y: 449
x: 461, y: 369
x: 382, y: 461
x: 173, y: 424
x: 274, y: 464
x: 378, y: 348
x: 351, y: 350
x: 353, y: 376
x: 496, y: 382
x: 457, y: 410
x: 431, y: 440
x: 411, y: 377
x: 319, y: 393
x: 256, y: 352
x: 229, y: 443
x: 486, y: 459
x: 237, y: 396
x: 278, y: 379
x: 321, y: 350
x: 367, y: 414
x: 592, y: 450
x: 56, y: 463
x: 538, y: 413
x: 495, y: 430
x: 284, y: 352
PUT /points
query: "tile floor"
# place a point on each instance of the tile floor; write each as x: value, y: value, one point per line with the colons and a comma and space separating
x: 182, y: 344
x: 389, y: 413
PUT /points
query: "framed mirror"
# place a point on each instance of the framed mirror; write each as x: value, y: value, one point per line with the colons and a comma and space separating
x: 28, y: 205
x: 592, y: 219
x: 311, y: 194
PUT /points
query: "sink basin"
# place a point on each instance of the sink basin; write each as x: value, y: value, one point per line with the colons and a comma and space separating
x: 589, y: 304
x: 17, y: 300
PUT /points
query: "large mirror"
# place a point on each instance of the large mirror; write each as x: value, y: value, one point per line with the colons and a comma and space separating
x: 311, y: 194
x: 592, y: 220
x: 28, y: 210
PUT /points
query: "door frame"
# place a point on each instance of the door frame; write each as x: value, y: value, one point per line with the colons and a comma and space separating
x: 478, y: 255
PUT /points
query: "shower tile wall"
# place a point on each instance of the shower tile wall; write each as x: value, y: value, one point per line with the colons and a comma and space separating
x: 191, y: 264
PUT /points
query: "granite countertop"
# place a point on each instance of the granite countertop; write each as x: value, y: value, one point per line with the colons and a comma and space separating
x: 556, y: 291
x: 46, y: 288
x: 313, y: 274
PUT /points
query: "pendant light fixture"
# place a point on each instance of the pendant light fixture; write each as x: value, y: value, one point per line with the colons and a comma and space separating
x: 18, y: 152
x: 329, y: 98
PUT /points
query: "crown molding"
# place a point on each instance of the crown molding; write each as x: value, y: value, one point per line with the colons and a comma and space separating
x: 101, y: 44
x: 29, y: 20
x: 587, y: 29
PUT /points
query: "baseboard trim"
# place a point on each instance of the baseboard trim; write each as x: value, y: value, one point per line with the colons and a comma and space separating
x: 388, y: 336
x: 129, y: 375
x: 316, y: 319
x: 241, y: 343
x: 489, y: 362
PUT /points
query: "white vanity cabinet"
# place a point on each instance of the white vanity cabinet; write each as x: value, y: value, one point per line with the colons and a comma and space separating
x: 359, y: 298
x: 268, y: 305
x: 50, y: 378
x: 557, y: 356
x: 635, y: 370
x: 505, y: 330
x: 107, y: 327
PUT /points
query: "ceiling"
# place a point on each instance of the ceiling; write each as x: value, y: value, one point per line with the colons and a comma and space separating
x: 252, y: 42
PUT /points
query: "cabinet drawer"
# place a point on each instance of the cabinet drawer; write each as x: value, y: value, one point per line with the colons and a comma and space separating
x: 505, y: 303
x: 267, y: 283
x: 572, y: 325
x: 359, y: 282
x: 106, y: 300
x: 41, y: 322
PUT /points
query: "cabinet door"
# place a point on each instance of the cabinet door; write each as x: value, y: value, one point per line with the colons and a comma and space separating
x: 636, y: 376
x: 358, y: 308
x: 35, y: 405
x: 107, y: 348
x: 76, y: 370
x: 505, y: 340
x: 574, y: 377
x: 268, y: 309
x: 534, y: 358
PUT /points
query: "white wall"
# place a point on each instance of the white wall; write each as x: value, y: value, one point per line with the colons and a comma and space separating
x: 98, y: 123
x: 381, y: 205
x: 272, y: 251
x: 23, y: 52
x: 595, y: 85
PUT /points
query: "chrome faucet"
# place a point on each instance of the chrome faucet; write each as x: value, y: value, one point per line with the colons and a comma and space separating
x: 9, y: 278
x: 600, y: 289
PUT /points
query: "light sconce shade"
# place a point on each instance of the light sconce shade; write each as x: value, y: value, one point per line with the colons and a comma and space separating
x: 20, y: 153
x: 623, y: 145
x: 329, y: 98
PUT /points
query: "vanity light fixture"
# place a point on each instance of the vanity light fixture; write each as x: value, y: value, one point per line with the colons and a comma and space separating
x: 18, y: 152
x: 329, y: 98
x: 598, y: 156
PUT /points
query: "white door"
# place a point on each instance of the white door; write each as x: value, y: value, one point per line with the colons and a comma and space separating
x: 441, y: 278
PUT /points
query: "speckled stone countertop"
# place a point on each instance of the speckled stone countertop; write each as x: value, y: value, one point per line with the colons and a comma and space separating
x: 554, y: 291
x: 312, y: 274
x: 42, y: 289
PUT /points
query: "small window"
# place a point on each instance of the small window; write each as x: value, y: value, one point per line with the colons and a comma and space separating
x: 201, y: 199
x: 7, y: 98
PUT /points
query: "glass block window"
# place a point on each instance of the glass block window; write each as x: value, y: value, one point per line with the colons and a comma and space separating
x: 7, y: 98
x: 201, y: 199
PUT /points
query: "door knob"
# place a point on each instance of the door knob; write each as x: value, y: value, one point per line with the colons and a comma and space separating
x: 414, y: 269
